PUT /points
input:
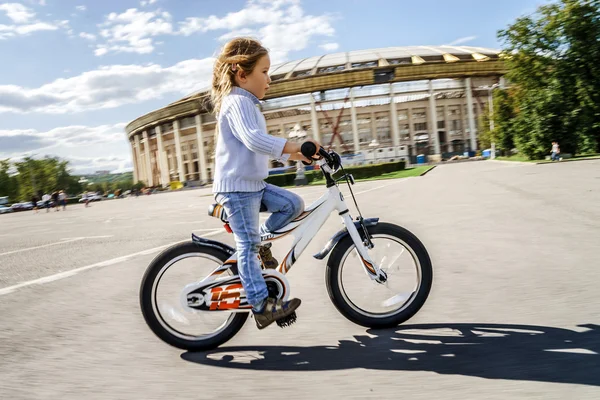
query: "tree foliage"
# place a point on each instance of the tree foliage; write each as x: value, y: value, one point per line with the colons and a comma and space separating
x: 553, y: 57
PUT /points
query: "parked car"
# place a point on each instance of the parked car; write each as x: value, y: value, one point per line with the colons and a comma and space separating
x: 4, y: 210
x: 22, y: 206
x: 91, y: 197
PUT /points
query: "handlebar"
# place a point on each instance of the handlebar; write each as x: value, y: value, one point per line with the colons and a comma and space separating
x: 309, y: 150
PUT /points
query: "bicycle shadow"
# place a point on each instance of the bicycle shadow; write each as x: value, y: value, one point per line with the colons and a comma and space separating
x: 493, y: 351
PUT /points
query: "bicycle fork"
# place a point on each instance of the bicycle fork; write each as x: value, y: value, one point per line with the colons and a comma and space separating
x: 371, y: 268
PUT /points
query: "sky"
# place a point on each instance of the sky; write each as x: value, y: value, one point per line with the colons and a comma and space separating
x: 75, y: 72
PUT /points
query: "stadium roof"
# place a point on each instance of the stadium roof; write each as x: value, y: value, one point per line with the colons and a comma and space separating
x: 352, y: 69
x: 352, y: 60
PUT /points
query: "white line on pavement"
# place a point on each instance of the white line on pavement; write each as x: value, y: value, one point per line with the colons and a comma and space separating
x: 62, y: 241
x: 66, y: 274
x: 40, y: 247
x: 379, y: 187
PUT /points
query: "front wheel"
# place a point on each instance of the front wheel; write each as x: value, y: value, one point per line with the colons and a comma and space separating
x: 366, y: 302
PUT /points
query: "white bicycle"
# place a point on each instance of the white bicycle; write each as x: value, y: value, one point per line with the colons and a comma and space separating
x: 378, y: 274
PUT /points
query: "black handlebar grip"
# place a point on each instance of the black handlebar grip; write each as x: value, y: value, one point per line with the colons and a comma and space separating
x: 308, y: 149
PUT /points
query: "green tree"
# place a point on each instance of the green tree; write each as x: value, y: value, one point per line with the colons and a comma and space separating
x: 37, y: 177
x: 8, y: 184
x: 486, y: 136
x: 504, y: 115
x: 553, y: 57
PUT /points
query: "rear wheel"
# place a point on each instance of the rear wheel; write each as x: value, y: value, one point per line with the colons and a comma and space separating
x: 160, y: 295
x: 363, y: 301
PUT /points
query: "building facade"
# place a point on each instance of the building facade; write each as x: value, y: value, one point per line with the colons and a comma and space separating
x: 372, y: 105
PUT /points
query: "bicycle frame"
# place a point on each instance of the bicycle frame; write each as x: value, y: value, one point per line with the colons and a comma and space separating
x: 227, y: 293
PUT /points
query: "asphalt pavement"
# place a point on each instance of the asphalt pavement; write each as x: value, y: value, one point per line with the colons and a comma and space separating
x: 513, y: 314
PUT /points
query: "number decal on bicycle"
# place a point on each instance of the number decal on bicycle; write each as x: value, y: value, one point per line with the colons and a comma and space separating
x: 225, y: 299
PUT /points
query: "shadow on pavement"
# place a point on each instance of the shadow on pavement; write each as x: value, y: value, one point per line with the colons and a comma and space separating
x: 494, y: 351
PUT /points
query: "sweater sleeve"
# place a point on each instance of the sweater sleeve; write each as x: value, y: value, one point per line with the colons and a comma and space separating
x: 242, y: 117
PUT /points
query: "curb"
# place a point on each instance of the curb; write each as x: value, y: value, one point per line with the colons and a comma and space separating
x: 424, y: 172
x: 567, y: 160
x: 512, y: 162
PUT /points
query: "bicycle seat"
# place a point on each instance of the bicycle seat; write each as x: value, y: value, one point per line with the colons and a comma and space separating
x: 218, y: 211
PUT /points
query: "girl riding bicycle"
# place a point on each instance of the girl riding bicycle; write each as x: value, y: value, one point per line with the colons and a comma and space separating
x: 240, y: 80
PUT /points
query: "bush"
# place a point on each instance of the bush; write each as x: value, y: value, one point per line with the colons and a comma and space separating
x: 365, y: 171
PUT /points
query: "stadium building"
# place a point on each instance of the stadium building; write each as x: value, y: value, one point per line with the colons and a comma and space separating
x: 373, y: 106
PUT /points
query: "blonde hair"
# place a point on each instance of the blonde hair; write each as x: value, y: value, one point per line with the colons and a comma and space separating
x: 239, y: 53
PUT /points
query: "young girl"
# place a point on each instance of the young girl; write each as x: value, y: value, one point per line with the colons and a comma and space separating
x: 240, y: 80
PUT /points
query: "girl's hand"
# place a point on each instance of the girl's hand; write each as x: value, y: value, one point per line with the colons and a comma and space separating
x: 316, y: 144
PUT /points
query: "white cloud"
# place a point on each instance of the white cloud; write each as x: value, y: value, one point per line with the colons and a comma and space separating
x: 281, y: 25
x: 462, y: 40
x: 18, y: 13
x: 330, y: 46
x: 108, y: 87
x: 87, y: 36
x: 78, y: 144
x: 81, y: 8
x: 133, y: 31
x: 144, y: 3
x: 25, y: 22
x: 42, y: 2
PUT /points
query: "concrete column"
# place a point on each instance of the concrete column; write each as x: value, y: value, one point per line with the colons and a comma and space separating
x: 147, y: 150
x: 433, y: 120
x: 464, y: 121
x: 138, y: 159
x: 472, y: 132
x: 447, y: 126
x: 394, y: 121
x: 162, y: 158
x: 134, y: 161
x: 201, y: 152
x: 314, y: 120
x: 354, y: 122
x: 178, y: 151
x: 411, y: 129
x: 373, y: 126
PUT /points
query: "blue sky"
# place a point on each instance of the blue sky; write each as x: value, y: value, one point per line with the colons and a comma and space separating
x: 73, y: 73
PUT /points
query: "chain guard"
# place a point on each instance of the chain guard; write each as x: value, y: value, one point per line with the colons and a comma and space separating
x: 228, y: 294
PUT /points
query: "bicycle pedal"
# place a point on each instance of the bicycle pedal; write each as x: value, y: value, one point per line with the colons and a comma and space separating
x: 287, y: 321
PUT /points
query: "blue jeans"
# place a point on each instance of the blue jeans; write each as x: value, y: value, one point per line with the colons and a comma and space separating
x: 243, y: 214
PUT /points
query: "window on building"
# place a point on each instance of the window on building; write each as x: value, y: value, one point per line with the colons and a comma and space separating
x: 402, y: 115
x: 184, y: 149
x: 404, y: 132
x: 440, y: 113
x: 456, y: 125
x: 187, y: 122
x: 420, y: 126
x: 441, y: 124
x: 328, y: 70
x: 382, y: 123
x: 419, y: 113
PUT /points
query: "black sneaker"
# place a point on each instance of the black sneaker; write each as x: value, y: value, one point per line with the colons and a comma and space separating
x: 284, y: 312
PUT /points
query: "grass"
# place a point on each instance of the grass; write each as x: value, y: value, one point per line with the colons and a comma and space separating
x: 405, y: 173
x: 522, y: 158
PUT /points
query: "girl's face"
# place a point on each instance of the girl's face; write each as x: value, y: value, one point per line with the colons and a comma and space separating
x: 256, y: 82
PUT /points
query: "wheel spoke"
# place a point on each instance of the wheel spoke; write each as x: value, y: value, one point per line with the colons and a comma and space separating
x: 402, y: 268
